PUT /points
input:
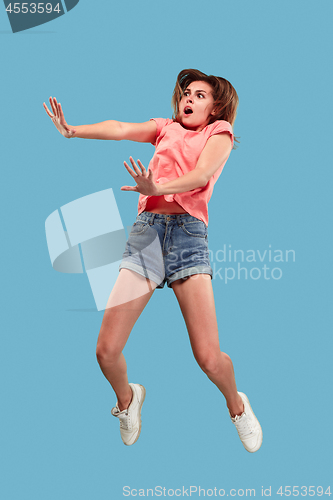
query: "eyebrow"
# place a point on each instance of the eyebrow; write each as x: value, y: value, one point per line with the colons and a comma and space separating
x: 195, y: 90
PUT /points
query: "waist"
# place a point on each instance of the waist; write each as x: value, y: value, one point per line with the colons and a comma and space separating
x: 151, y: 217
x: 159, y: 205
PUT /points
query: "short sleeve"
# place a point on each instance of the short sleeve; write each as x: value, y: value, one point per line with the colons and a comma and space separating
x: 221, y: 126
x: 160, y: 123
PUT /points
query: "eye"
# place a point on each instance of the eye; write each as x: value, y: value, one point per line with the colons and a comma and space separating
x: 186, y: 93
x: 201, y: 96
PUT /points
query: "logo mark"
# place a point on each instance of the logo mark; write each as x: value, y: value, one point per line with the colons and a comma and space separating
x: 26, y: 15
x: 87, y: 235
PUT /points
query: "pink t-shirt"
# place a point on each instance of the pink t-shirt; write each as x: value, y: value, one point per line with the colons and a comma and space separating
x: 177, y: 152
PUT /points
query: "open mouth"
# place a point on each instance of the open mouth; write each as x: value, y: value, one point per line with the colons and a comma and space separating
x: 188, y: 110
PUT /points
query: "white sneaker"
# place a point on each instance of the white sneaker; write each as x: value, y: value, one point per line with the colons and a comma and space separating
x: 248, y: 427
x: 130, y: 419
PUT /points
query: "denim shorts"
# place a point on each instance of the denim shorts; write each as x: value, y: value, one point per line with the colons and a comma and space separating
x: 166, y: 248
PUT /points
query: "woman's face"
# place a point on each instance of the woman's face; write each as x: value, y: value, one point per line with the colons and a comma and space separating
x: 196, y: 106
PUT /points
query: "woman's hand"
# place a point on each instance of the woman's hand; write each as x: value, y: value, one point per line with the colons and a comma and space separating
x: 144, y: 180
x: 58, y: 118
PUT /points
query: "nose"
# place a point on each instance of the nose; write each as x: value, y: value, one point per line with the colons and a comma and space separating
x: 189, y: 99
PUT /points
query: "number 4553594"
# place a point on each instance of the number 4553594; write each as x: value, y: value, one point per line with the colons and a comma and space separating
x: 303, y: 491
x: 32, y: 8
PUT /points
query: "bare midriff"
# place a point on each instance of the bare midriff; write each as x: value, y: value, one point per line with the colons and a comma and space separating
x: 159, y: 205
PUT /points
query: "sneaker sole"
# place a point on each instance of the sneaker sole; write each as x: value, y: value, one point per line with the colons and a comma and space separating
x: 141, y: 403
x: 261, y: 433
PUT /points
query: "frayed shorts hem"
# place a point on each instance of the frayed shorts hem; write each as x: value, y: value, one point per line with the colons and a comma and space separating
x: 183, y: 274
x: 186, y: 273
x: 143, y: 272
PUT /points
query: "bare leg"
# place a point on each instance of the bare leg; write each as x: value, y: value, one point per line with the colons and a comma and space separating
x: 128, y: 298
x: 196, y: 300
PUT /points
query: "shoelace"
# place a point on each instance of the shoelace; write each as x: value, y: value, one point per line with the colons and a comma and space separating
x: 244, y: 425
x: 124, y: 418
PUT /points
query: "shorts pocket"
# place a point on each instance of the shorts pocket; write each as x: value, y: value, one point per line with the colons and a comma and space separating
x: 139, y: 227
x: 196, y: 229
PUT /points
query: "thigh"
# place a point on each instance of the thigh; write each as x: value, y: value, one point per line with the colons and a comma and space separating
x: 130, y: 290
x: 196, y: 299
x: 128, y: 298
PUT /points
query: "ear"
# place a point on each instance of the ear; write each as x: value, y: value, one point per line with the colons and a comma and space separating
x: 213, y: 112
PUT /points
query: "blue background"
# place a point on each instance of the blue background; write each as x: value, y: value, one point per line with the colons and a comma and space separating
x: 120, y: 60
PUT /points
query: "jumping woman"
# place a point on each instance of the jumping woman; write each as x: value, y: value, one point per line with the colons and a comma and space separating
x: 190, y: 152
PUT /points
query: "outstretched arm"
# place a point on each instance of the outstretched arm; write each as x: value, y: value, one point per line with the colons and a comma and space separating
x: 108, y: 130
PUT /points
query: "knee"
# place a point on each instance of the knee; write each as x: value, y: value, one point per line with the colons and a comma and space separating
x: 106, y: 354
x: 210, y: 363
x: 213, y: 363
